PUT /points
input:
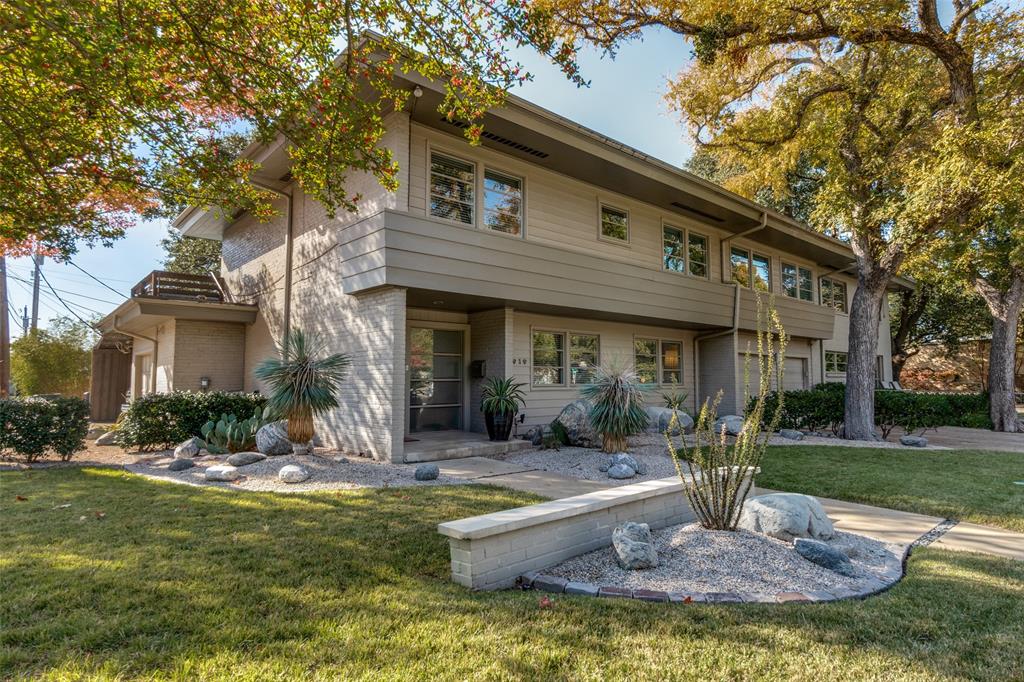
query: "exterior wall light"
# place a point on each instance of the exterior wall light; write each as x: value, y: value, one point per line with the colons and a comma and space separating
x: 204, y: 383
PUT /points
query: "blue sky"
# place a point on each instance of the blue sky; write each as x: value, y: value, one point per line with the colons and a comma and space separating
x: 624, y: 102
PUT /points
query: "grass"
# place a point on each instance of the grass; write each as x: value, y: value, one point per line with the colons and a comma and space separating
x: 142, y: 579
x: 966, y: 485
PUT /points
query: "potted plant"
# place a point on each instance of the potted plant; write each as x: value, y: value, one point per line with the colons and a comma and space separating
x: 302, y: 385
x: 500, y: 403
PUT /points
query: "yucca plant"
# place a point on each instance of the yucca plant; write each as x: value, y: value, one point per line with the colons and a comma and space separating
x: 675, y: 399
x: 617, y: 406
x: 302, y: 384
x: 718, y: 476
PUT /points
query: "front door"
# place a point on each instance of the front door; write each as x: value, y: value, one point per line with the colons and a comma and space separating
x: 435, y: 379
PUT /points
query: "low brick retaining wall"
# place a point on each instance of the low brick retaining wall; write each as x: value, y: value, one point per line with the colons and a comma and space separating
x: 490, y: 551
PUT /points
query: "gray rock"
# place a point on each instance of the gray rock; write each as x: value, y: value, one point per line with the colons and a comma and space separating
x: 95, y: 432
x: 427, y: 472
x: 791, y: 434
x: 660, y: 418
x: 786, y: 516
x: 733, y: 424
x: 634, y: 547
x: 535, y: 435
x: 272, y: 439
x: 189, y: 448
x: 341, y: 460
x: 222, y: 472
x: 180, y: 465
x: 293, y: 473
x: 108, y: 438
x: 575, y: 417
x: 241, y: 459
x: 914, y: 441
x: 820, y: 553
x: 603, y: 467
x: 621, y: 471
x: 626, y: 459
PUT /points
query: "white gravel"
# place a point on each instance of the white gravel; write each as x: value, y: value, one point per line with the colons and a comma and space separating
x: 327, y: 474
x: 692, y: 559
x: 843, y: 443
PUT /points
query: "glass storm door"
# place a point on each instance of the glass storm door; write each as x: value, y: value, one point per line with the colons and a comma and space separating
x: 435, y: 380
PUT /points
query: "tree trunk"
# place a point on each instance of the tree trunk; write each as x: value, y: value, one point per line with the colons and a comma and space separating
x: 1005, y: 307
x: 912, y: 305
x: 865, y: 309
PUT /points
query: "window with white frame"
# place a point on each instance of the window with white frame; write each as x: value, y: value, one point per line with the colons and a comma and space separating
x: 697, y: 254
x: 833, y: 293
x: 503, y: 202
x: 673, y: 241
x: 671, y: 362
x: 452, y: 188
x: 835, y: 362
x: 614, y: 223
x: 797, y: 282
x: 548, y: 358
x: 584, y: 356
x: 751, y: 269
x: 658, y: 361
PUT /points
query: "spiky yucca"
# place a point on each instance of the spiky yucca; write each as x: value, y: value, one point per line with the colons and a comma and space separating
x: 617, y: 406
x: 302, y: 384
x: 718, y: 476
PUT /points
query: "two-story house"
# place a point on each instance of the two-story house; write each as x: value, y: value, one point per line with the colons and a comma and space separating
x: 539, y: 254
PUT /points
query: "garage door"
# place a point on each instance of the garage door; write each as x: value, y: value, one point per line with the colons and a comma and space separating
x: 793, y: 376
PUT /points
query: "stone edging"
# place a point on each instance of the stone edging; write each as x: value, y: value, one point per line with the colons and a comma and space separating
x: 892, y: 574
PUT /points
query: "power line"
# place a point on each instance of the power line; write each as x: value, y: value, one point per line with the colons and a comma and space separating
x: 79, y: 317
x: 69, y: 293
x: 91, y: 276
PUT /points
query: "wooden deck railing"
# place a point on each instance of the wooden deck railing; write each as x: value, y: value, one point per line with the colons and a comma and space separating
x: 180, y: 286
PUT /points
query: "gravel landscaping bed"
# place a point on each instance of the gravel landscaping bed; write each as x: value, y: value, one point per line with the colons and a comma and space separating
x: 326, y: 473
x: 585, y: 463
x: 695, y: 560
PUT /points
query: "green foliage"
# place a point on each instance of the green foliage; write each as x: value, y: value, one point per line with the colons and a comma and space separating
x: 190, y: 254
x: 502, y: 396
x: 55, y: 361
x: 557, y: 430
x: 30, y: 427
x: 231, y: 435
x: 719, y: 476
x: 161, y: 420
x: 617, y: 406
x: 675, y: 399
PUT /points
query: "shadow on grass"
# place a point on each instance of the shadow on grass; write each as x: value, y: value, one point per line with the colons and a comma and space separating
x: 142, y: 578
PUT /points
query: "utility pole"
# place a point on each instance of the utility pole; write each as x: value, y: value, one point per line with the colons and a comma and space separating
x: 5, y: 333
x: 38, y: 259
x: 24, y: 320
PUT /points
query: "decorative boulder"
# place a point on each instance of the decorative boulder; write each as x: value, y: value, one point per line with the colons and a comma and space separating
x: 272, y: 439
x: 575, y: 417
x: 535, y: 435
x: 660, y: 418
x: 241, y: 459
x: 634, y: 546
x: 293, y: 473
x: 180, y: 465
x: 733, y: 424
x: 914, y: 441
x: 108, y: 438
x: 189, y: 449
x: 626, y: 460
x: 621, y: 471
x: 791, y: 434
x: 222, y: 472
x: 427, y: 472
x: 820, y: 553
x: 786, y: 516
x: 95, y: 432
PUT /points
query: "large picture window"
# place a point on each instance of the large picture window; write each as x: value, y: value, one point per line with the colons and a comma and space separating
x: 797, y: 282
x: 614, y: 224
x: 835, y: 362
x: 833, y: 293
x: 503, y: 202
x: 556, y: 352
x: 548, y: 358
x: 452, y: 193
x: 584, y: 356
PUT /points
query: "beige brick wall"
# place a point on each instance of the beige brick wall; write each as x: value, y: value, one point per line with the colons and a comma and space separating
x: 210, y: 349
x: 490, y: 340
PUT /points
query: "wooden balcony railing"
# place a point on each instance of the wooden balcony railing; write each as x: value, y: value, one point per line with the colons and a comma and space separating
x: 180, y: 286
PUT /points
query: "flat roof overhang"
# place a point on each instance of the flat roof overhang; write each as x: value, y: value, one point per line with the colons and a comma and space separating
x: 138, y: 314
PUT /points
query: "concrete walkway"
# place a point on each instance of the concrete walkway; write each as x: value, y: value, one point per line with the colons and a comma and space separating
x: 959, y: 438
x: 496, y: 472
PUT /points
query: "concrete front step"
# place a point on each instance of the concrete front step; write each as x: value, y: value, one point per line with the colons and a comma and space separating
x: 430, y: 450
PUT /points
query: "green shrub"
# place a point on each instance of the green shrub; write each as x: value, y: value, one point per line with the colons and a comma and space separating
x: 813, y: 410
x: 161, y: 420
x: 32, y: 426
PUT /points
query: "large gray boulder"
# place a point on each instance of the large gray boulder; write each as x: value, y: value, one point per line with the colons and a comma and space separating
x: 180, y: 465
x: 733, y: 424
x: 241, y: 459
x: 272, y: 439
x: 621, y: 471
x: 820, y: 553
x: 634, y: 546
x: 786, y: 516
x: 426, y: 472
x: 108, y: 438
x: 791, y: 434
x: 293, y: 473
x: 660, y: 418
x: 189, y: 448
x: 914, y: 441
x: 575, y: 417
x: 222, y: 472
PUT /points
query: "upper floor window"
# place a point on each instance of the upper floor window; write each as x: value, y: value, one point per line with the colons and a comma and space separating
x: 452, y: 184
x: 698, y: 254
x: 614, y: 223
x: 656, y: 361
x: 761, y: 269
x: 797, y: 282
x: 673, y: 245
x: 503, y: 202
x: 833, y: 293
x: 685, y: 251
x: 740, y: 259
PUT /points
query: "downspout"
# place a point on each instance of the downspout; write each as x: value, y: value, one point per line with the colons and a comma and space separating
x: 156, y: 351
x: 288, y: 248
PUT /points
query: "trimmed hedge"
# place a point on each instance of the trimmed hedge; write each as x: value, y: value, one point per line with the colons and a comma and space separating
x: 31, y: 427
x: 162, y: 420
x: 822, y: 408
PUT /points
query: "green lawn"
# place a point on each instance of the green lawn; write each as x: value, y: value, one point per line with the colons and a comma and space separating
x: 189, y: 583
x: 966, y: 485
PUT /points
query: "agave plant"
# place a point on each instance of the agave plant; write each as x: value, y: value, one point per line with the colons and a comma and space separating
x: 617, y: 411
x: 302, y: 383
x: 502, y: 396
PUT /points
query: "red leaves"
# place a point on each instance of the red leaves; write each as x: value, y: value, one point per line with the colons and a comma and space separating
x: 545, y: 602
x: 19, y: 498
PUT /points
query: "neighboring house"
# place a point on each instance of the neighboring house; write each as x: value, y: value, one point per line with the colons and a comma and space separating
x: 544, y: 251
x: 932, y: 368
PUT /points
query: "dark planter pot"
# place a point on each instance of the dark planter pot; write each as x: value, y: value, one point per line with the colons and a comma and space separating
x: 499, y: 426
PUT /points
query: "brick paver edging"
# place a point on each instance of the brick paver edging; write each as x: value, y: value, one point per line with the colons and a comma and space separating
x: 893, y: 572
